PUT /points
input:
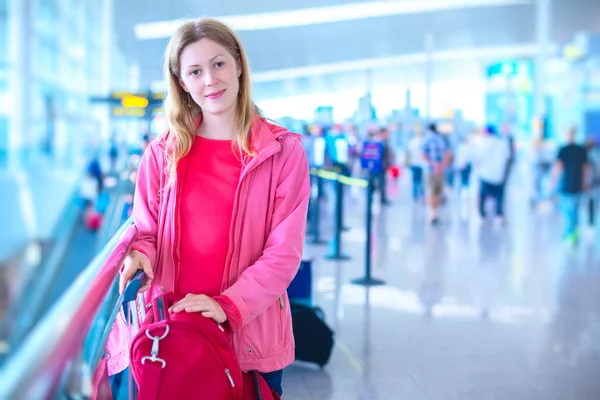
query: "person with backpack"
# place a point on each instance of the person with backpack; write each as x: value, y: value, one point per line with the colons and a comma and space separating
x: 221, y: 202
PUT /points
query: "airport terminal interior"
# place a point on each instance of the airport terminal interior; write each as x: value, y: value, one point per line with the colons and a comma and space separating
x: 425, y: 206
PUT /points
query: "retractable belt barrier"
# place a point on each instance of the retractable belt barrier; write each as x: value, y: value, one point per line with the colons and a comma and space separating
x: 340, y: 180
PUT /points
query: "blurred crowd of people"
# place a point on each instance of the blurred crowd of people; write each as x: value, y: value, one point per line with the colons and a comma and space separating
x: 441, y: 166
x: 565, y: 172
x: 119, y: 161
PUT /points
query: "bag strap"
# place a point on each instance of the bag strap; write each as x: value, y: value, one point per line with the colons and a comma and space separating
x: 152, y: 365
x: 256, y: 384
x: 149, y: 381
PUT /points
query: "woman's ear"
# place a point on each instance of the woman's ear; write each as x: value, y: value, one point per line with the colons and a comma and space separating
x: 239, y: 68
x: 182, y: 83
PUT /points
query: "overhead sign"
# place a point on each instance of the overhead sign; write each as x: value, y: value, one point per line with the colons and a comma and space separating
x: 128, y: 112
x: 135, y: 105
x: 132, y: 101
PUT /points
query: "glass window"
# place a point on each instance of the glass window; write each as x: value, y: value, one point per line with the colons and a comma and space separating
x: 3, y: 140
x: 3, y: 44
x: 3, y: 33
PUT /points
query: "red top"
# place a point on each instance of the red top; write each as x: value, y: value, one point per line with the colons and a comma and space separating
x: 207, y: 199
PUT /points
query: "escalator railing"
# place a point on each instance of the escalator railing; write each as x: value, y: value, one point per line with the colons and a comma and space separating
x: 28, y: 302
x: 53, y: 352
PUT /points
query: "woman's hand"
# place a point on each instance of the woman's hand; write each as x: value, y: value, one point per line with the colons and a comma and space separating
x: 135, y: 260
x: 201, y: 303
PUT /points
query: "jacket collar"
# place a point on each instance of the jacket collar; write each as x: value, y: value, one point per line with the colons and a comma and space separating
x: 263, y: 135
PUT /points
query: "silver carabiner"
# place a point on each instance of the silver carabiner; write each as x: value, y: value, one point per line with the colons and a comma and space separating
x: 154, y: 352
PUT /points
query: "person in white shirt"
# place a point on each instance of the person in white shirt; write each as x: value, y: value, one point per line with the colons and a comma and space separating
x: 88, y: 190
x: 416, y: 164
x: 493, y: 158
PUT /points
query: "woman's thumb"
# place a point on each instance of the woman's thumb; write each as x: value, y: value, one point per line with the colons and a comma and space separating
x: 147, y: 268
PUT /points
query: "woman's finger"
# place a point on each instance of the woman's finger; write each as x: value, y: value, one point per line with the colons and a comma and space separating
x: 146, y: 267
x: 179, y: 306
x: 193, y: 305
x: 197, y: 308
x: 208, y: 314
x: 124, y: 280
x: 146, y: 286
x: 122, y: 284
x: 189, y: 299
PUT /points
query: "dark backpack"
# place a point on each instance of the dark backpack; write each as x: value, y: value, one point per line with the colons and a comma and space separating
x: 314, y: 339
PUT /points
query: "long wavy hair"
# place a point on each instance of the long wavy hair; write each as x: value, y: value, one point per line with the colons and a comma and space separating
x: 181, y: 115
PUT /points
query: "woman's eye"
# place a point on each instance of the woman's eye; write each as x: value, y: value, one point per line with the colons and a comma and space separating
x: 195, y: 72
x: 219, y: 64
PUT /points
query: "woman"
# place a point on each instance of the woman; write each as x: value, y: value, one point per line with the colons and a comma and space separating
x: 221, y: 201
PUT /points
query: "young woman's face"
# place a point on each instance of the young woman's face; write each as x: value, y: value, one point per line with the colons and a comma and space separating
x: 210, y: 74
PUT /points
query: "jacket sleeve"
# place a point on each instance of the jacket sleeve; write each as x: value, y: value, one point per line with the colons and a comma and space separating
x: 234, y: 319
x: 146, y: 204
x: 262, y: 283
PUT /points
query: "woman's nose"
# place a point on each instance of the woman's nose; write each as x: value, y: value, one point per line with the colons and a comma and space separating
x: 211, y: 78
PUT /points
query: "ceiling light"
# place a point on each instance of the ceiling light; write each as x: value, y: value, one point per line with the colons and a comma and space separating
x: 323, y: 15
x: 482, y: 53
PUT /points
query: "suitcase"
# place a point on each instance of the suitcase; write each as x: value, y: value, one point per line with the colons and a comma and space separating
x: 394, y: 171
x: 314, y: 338
x: 93, y: 220
x: 300, y: 289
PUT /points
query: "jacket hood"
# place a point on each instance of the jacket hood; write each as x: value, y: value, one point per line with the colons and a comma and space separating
x: 264, y: 132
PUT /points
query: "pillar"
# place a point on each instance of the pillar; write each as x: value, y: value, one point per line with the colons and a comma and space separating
x: 543, y: 12
x: 19, y: 54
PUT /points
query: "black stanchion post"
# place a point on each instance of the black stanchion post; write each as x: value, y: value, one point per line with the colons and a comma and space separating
x: 336, y: 251
x: 309, y: 226
x: 368, y: 280
x: 316, y: 213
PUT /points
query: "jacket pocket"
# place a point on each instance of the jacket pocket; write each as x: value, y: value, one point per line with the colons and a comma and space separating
x: 263, y: 335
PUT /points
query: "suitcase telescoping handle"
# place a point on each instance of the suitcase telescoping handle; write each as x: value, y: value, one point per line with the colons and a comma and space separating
x: 130, y: 295
x: 129, y: 300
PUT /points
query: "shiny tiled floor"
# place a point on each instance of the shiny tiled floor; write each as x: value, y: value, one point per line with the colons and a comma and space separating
x: 470, y: 311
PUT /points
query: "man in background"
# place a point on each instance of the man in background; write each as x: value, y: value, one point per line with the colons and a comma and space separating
x: 573, y: 166
x: 493, y: 160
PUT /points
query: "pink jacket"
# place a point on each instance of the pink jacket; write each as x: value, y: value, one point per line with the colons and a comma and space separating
x: 266, y: 242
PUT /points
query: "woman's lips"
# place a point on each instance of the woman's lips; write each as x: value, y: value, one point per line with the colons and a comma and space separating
x: 215, y: 95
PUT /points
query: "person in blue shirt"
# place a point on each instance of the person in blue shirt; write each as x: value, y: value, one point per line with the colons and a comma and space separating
x: 336, y: 145
x: 437, y: 158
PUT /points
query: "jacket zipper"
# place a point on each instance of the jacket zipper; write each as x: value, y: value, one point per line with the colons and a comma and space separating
x: 231, y: 259
x: 268, y: 152
x: 176, y: 230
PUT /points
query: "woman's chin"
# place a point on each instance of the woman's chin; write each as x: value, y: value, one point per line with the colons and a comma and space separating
x: 215, y: 110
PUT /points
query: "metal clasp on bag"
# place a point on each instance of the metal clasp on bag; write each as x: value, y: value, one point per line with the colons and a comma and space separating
x: 154, y: 352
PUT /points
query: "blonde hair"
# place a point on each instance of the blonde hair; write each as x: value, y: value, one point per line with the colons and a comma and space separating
x: 181, y: 115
